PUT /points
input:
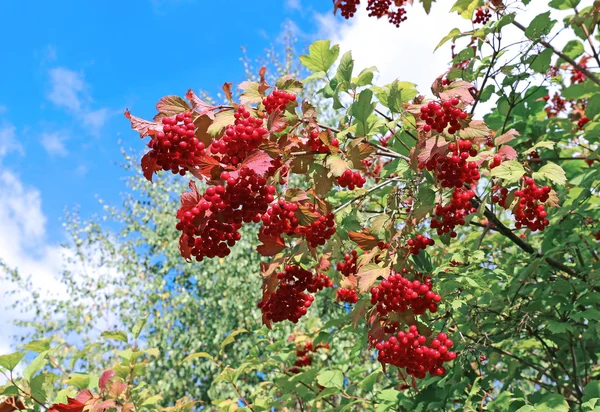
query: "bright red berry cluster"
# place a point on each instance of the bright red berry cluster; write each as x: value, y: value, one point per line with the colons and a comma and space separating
x: 582, y: 122
x: 448, y: 217
x: 453, y: 170
x: 347, y: 7
x: 280, y: 218
x: 496, y: 160
x: 240, y: 138
x: 289, y: 301
x: 176, y: 148
x: 346, y: 295
x: 303, y: 357
x: 482, y: 15
x: 530, y: 211
x: 380, y: 8
x: 277, y: 100
x: 398, y: 294
x: 351, y: 179
x: 438, y: 115
x: 410, y: 350
x: 348, y: 266
x: 415, y: 244
x: 315, y: 143
x: 320, y: 230
x: 500, y: 196
x: 211, y: 226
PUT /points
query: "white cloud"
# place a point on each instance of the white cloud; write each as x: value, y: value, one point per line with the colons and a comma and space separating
x: 54, y: 143
x: 294, y: 4
x: 70, y: 91
x: 8, y: 140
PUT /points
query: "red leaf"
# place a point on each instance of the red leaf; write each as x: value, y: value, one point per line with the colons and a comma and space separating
x: 460, y: 89
x: 365, y: 240
x: 263, y: 85
x: 227, y: 90
x: 189, y: 200
x: 200, y: 106
x: 171, y: 105
x: 435, y: 145
x: 258, y: 161
x: 184, y: 249
x: 276, y: 122
x: 295, y: 195
x: 149, y: 166
x: 143, y: 127
x: 506, y: 137
x: 508, y: 152
x: 271, y: 245
x: 205, y: 166
x: 105, y: 378
x: 73, y: 405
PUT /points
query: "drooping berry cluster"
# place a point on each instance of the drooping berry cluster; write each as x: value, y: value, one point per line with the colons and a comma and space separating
x: 380, y: 8
x: 320, y: 230
x: 530, y: 211
x: 482, y: 15
x: 277, y: 100
x: 176, y: 148
x: 315, y: 143
x: 289, y: 301
x: 453, y: 170
x: 496, y: 160
x: 347, y: 7
x: 211, y: 226
x: 448, y: 217
x: 410, y: 350
x: 303, y: 357
x: 576, y: 75
x: 351, y: 179
x: 500, y: 196
x: 438, y: 115
x: 582, y: 122
x: 280, y: 219
x: 415, y: 244
x: 240, y: 138
x: 348, y: 266
x: 398, y: 294
x: 346, y: 295
x: 373, y: 167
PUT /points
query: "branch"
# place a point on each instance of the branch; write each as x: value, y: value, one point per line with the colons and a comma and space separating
x: 563, y: 56
x: 371, y: 190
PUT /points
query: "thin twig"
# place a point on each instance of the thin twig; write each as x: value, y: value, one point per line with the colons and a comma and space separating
x: 361, y: 196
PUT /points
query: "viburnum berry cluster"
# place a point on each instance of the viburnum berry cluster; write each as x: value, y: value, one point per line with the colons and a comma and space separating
x: 500, y: 196
x: 410, y: 350
x: 418, y: 243
x: 453, y: 170
x: 240, y: 138
x: 398, y: 294
x: 393, y: 9
x: 280, y: 218
x: 176, y: 147
x: 439, y: 115
x: 351, y: 179
x: 278, y: 100
x: 320, y: 230
x: 303, y: 357
x: 482, y: 15
x: 348, y: 266
x: 449, y: 216
x: 346, y: 295
x: 530, y: 211
x: 289, y: 301
x: 315, y: 143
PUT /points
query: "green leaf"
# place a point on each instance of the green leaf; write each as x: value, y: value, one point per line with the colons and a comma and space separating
x: 563, y: 4
x: 363, y: 107
x: 367, y: 383
x: 9, y: 390
x: 593, y: 106
x: 510, y: 171
x: 250, y: 93
x: 314, y: 76
x: 453, y: 34
x: 574, y: 49
x: 466, y: 8
x: 139, y: 325
x: 289, y: 84
x: 10, y: 361
x: 42, y: 385
x: 115, y: 334
x: 552, y: 172
x: 541, y: 61
x: 540, y: 26
x: 153, y: 400
x: 344, y: 71
x: 36, y: 365
x: 331, y: 379
x: 38, y: 346
x: 388, y: 395
x: 427, y: 5
x: 365, y: 77
x: 320, y: 56
x: 231, y: 337
x: 395, y: 98
x: 555, y: 326
x: 79, y: 380
x: 221, y: 120
x: 552, y: 402
x: 591, y: 390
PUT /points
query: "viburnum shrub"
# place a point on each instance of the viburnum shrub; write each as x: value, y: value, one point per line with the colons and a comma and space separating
x: 500, y: 191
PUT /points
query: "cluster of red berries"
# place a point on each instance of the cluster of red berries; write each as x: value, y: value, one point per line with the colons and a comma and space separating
x: 438, y: 115
x: 496, y: 160
x: 289, y: 301
x: 500, y: 196
x: 316, y: 144
x: 320, y: 230
x: 530, y: 211
x: 582, y: 122
x: 348, y: 266
x: 576, y: 75
x: 558, y: 105
x: 211, y: 226
x: 346, y: 295
x: 303, y: 357
x: 448, y: 217
x: 453, y: 170
x: 373, y: 167
x: 533, y: 154
x: 280, y: 218
x: 347, y: 7
x: 278, y: 100
x: 176, y: 147
x: 380, y: 8
x: 240, y: 138
x: 482, y: 15
x: 398, y: 294
x: 351, y: 179
x: 417, y: 243
x: 410, y: 351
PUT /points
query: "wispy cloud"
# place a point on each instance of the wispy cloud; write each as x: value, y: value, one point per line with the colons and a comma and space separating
x: 8, y: 140
x: 294, y: 4
x: 54, y: 143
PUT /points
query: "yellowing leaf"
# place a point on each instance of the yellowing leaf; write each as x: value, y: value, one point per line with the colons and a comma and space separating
x: 552, y: 172
x: 368, y: 274
x: 510, y: 171
x: 336, y: 165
